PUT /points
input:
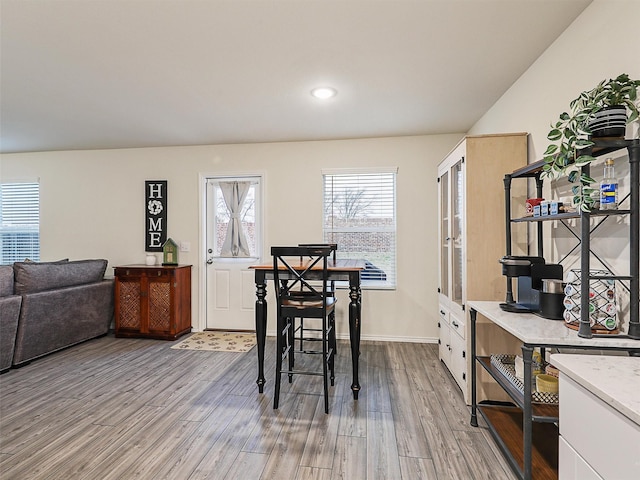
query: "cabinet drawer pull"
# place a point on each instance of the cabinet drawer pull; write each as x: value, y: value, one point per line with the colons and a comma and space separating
x: 455, y: 324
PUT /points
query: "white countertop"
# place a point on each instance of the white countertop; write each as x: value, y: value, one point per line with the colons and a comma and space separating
x: 613, y: 379
x: 535, y: 330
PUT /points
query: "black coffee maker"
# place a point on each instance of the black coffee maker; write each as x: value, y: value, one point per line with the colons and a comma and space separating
x: 538, y: 290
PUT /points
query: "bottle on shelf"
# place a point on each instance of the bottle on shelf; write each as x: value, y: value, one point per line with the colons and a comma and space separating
x: 609, y: 187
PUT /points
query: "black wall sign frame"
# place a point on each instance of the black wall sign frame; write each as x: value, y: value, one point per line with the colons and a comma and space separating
x: 155, y: 204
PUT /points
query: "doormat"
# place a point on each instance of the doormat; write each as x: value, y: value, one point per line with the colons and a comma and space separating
x: 218, y: 342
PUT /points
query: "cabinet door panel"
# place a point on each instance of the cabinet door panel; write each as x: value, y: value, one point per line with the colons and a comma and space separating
x: 159, y: 305
x: 444, y: 233
x: 445, y: 344
x: 457, y: 231
x: 458, y: 360
x: 129, y: 304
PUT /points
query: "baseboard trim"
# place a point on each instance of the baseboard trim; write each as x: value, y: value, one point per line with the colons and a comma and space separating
x: 381, y: 338
x: 345, y: 336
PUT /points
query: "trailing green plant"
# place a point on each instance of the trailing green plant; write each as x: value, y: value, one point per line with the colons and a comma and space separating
x: 571, y: 134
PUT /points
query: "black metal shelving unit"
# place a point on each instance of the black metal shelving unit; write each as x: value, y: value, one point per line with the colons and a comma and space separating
x: 534, y: 171
x: 537, y: 424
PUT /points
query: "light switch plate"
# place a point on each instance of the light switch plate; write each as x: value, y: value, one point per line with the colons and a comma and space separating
x: 185, y: 246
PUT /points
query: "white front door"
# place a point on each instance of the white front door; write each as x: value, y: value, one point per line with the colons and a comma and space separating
x: 233, y: 242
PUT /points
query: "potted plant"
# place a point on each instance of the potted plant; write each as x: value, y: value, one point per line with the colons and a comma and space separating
x: 592, y: 114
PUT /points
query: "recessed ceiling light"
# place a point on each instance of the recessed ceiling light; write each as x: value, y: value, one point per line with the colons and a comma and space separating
x: 324, y: 92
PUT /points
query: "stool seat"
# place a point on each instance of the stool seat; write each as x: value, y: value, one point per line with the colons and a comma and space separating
x: 303, y: 303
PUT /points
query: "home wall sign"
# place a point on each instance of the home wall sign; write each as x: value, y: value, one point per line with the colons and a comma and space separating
x: 156, y: 214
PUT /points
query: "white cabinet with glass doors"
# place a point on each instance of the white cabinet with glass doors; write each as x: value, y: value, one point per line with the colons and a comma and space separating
x: 472, y: 240
x: 451, y: 230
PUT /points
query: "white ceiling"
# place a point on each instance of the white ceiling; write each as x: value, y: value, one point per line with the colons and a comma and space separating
x: 93, y: 74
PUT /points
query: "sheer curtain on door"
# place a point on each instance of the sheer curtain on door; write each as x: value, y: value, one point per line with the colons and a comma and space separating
x: 235, y: 243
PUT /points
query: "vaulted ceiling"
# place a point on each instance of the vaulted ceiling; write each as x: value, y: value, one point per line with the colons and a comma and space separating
x: 94, y: 74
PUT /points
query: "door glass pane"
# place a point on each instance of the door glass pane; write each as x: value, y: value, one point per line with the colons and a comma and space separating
x: 457, y: 189
x: 444, y: 234
x: 219, y: 217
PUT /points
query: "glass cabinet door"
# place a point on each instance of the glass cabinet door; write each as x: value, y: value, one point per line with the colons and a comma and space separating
x: 457, y: 204
x: 444, y: 233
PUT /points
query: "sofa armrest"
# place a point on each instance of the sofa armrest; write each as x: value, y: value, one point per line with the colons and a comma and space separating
x: 9, y: 313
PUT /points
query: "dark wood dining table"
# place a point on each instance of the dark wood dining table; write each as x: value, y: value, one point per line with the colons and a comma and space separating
x: 338, y: 270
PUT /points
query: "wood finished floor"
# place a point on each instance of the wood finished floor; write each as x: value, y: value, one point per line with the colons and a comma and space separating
x: 134, y: 408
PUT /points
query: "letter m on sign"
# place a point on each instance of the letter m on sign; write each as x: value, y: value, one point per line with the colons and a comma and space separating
x: 155, y: 205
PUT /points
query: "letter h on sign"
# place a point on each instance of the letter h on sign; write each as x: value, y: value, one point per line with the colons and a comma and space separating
x: 155, y: 192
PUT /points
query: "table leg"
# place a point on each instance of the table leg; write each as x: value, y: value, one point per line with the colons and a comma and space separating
x: 261, y: 329
x: 527, y: 427
x: 474, y: 400
x: 354, y: 334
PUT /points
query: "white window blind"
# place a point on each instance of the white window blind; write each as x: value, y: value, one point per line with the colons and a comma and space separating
x: 360, y: 216
x: 19, y: 222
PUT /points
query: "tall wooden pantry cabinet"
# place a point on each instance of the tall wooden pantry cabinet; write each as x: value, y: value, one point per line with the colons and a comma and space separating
x: 472, y: 241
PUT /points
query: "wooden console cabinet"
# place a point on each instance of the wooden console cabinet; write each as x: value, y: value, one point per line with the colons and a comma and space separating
x: 152, y: 302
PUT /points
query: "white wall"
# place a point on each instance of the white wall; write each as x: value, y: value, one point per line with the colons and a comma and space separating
x: 601, y: 43
x: 92, y: 206
x: 92, y: 201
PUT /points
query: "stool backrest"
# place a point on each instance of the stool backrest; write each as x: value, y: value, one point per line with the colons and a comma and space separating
x: 333, y: 246
x: 298, y: 269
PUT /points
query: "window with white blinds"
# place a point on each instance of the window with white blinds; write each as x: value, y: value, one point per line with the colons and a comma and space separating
x: 360, y: 216
x: 19, y: 222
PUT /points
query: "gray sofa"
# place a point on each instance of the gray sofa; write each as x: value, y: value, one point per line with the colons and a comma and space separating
x: 60, y: 304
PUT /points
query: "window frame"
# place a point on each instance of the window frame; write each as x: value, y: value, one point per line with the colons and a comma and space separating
x: 256, y: 180
x: 329, y: 232
x: 21, y: 214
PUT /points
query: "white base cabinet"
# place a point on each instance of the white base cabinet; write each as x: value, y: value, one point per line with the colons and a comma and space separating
x: 452, y: 345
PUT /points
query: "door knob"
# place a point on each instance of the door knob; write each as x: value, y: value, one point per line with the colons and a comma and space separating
x: 209, y: 261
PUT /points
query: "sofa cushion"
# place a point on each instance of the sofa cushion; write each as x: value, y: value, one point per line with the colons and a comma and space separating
x: 28, y: 260
x: 36, y: 277
x: 6, y: 280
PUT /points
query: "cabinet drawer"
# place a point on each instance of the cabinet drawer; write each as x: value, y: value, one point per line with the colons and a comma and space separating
x: 606, y: 439
x: 572, y: 466
x: 443, y: 314
x: 457, y: 326
x: 124, y: 272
